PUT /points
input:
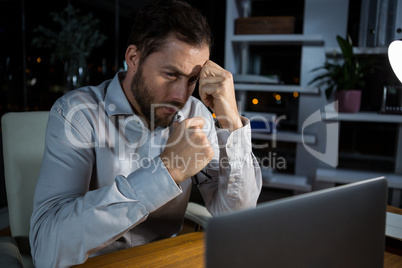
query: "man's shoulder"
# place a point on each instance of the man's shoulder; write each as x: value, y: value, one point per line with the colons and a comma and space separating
x: 84, y: 97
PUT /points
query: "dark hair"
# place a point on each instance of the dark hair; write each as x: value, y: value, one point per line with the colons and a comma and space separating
x: 162, y: 18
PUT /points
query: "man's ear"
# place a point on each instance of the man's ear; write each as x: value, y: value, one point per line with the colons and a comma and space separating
x: 132, y: 58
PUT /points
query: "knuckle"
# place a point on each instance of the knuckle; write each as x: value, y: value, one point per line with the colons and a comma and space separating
x: 199, y: 138
x: 228, y: 75
x: 203, y: 136
x: 210, y: 152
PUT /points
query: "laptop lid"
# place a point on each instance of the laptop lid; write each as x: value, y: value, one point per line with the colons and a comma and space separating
x: 342, y: 226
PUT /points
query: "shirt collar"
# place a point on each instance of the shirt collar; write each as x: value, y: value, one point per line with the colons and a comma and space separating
x: 116, y: 101
x: 179, y: 116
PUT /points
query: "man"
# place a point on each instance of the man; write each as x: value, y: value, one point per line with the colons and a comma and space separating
x: 120, y: 158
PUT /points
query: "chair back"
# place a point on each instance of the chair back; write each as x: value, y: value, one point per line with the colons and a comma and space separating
x: 23, y: 146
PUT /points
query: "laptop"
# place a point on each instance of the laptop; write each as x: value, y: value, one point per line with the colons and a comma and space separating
x: 342, y: 226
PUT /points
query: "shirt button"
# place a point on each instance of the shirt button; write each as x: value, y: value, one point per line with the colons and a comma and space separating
x: 229, y: 145
x: 232, y: 180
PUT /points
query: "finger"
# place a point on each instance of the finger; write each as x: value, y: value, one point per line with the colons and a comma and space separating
x: 206, y: 99
x: 211, y: 80
x: 210, y: 68
x: 195, y: 122
x: 175, y: 125
x: 210, y: 63
x: 213, y: 90
x: 209, y: 87
x: 206, y: 95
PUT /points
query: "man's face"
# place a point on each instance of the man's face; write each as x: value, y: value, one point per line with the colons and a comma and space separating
x: 166, y: 79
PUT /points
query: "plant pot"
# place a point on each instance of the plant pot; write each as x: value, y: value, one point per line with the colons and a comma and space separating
x: 349, y: 100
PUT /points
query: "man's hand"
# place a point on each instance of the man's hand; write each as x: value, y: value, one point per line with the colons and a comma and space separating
x: 217, y: 92
x: 187, y: 149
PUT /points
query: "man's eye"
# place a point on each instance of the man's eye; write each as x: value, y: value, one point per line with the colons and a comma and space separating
x: 170, y: 75
x: 193, y: 80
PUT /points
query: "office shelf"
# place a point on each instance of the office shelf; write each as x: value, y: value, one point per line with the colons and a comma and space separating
x: 275, y: 88
x: 363, y: 117
x: 277, y: 39
x: 284, y: 181
x: 359, y: 51
x: 345, y: 176
x: 285, y: 136
x: 247, y: 55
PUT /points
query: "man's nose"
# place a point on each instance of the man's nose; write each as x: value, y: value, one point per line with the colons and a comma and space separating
x: 180, y: 92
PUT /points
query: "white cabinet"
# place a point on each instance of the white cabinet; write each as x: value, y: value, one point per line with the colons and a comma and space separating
x: 322, y: 21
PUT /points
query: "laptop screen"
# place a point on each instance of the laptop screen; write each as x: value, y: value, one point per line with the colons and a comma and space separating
x: 342, y: 226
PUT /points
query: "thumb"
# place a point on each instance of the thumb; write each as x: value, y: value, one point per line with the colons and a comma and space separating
x: 175, y: 124
x: 197, y: 121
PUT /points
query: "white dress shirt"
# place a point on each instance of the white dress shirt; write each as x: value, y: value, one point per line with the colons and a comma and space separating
x: 103, y: 187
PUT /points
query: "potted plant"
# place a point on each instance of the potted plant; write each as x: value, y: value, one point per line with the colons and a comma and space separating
x: 345, y: 77
x: 72, y: 43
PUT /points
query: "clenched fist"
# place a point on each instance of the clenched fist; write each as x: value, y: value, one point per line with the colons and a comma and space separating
x: 187, y: 150
x: 217, y: 92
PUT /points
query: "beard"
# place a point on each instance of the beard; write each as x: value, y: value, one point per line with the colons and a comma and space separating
x: 146, y: 101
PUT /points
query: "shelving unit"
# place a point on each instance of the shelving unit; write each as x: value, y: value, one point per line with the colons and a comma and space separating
x: 344, y: 176
x: 276, y: 88
x: 363, y: 117
x: 285, y: 136
x: 360, y: 51
x: 331, y: 176
x: 275, y: 39
x: 287, y: 182
x: 314, y: 40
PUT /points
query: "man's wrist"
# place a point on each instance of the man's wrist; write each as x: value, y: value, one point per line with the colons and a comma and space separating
x: 230, y: 124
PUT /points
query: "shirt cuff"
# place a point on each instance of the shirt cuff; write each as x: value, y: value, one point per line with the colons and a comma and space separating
x: 153, y: 185
x: 236, y: 144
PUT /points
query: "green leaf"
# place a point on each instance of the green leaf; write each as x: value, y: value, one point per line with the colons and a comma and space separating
x: 346, y: 47
x: 348, y: 73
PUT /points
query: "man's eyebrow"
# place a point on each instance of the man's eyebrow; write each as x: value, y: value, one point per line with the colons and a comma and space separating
x: 176, y: 70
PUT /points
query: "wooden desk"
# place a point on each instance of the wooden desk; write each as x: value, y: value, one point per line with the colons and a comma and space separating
x: 392, y: 257
x: 185, y: 250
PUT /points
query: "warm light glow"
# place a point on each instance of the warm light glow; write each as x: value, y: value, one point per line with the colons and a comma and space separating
x: 38, y: 60
x: 395, y: 57
x: 278, y: 97
x: 295, y: 94
x: 255, y: 101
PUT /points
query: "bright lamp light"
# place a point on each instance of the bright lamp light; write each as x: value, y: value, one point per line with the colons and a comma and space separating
x: 395, y: 57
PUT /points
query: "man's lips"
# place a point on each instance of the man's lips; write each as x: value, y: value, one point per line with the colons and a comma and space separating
x: 170, y: 109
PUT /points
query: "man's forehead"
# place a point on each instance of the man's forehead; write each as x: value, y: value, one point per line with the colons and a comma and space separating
x: 182, y: 57
x: 172, y: 42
